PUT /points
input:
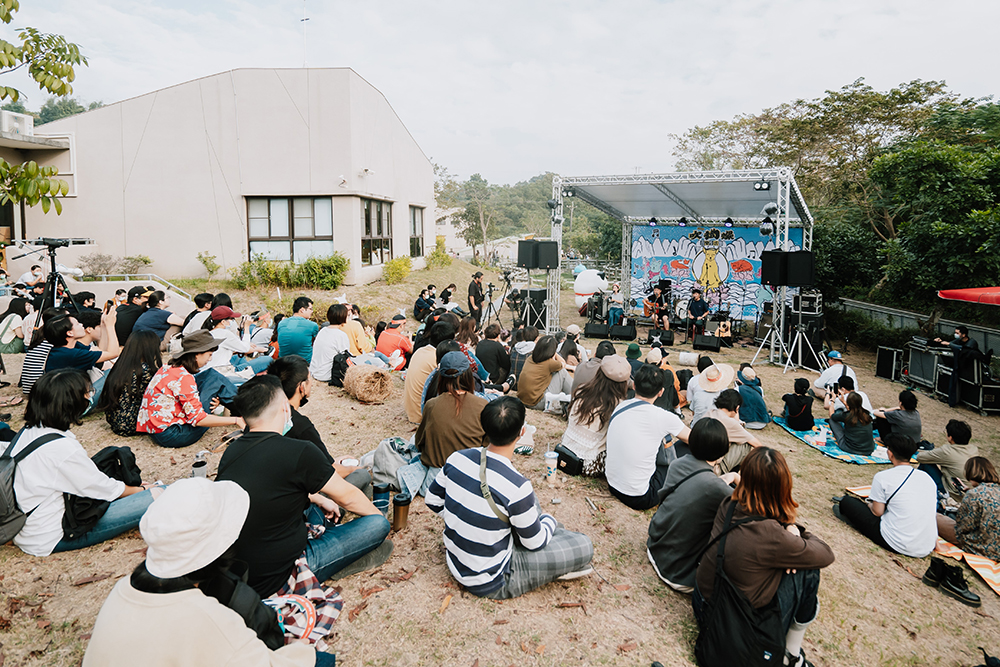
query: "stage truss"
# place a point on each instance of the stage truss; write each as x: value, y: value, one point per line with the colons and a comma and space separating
x: 697, y: 199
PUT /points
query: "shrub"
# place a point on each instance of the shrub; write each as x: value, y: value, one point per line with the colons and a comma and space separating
x: 208, y: 261
x: 865, y: 332
x: 322, y: 273
x: 98, y: 264
x: 133, y: 264
x: 395, y: 270
x: 439, y: 257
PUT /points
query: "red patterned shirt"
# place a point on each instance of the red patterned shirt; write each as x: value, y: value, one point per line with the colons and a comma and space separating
x: 170, y: 398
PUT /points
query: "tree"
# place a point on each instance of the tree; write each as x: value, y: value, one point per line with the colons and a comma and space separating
x: 59, y: 107
x: 447, y: 190
x: 482, y: 211
x: 49, y: 60
x: 17, y: 107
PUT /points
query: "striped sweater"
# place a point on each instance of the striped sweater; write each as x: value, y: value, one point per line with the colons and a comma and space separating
x: 478, y: 544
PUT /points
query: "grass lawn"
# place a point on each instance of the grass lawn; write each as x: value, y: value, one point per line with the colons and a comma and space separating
x: 874, y: 609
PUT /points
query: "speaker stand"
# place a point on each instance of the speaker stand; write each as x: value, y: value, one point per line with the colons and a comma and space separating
x: 764, y: 344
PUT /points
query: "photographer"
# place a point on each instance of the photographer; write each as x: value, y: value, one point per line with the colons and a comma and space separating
x: 476, y: 296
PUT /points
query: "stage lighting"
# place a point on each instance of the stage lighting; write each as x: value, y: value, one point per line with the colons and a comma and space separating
x: 569, y: 192
x: 729, y: 222
x: 766, y: 227
x: 683, y: 222
x: 552, y: 203
x: 652, y: 222
x: 557, y: 220
x: 761, y: 185
x: 770, y: 208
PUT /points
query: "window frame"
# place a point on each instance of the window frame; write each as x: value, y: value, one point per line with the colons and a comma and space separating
x: 416, y: 236
x: 376, y: 231
x: 290, y: 236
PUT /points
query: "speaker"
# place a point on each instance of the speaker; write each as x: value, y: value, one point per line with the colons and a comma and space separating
x: 595, y: 330
x: 527, y: 254
x: 624, y: 332
x: 663, y: 336
x: 773, y: 267
x: 888, y: 362
x: 709, y: 343
x: 942, y: 380
x: 801, y: 270
x: 547, y: 255
x: 763, y: 326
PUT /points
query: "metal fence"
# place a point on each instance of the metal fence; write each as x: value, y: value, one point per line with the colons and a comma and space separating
x: 612, y: 268
x: 988, y: 339
x: 140, y: 276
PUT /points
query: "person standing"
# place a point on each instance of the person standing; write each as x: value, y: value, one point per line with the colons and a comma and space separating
x: 963, y: 348
x: 297, y: 333
x: 476, y: 296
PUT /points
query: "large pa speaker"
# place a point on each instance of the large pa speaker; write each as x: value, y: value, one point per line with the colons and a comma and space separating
x: 595, y: 330
x: 773, y: 267
x: 661, y: 336
x: 624, y: 332
x: 888, y: 363
x: 801, y: 270
x: 548, y: 254
x: 709, y: 343
x: 527, y: 254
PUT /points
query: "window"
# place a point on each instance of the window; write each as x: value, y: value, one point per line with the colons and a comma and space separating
x: 416, y: 231
x: 288, y: 229
x: 376, y: 225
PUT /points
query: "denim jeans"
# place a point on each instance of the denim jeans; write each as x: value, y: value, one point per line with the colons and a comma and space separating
x: 342, y: 544
x: 615, y: 316
x: 211, y: 384
x: 97, y: 386
x: 325, y: 659
x: 258, y: 364
x: 179, y: 435
x: 122, y: 515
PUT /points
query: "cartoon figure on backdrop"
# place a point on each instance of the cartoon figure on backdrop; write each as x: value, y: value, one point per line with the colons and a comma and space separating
x: 679, y: 268
x: 587, y: 283
x: 655, y: 266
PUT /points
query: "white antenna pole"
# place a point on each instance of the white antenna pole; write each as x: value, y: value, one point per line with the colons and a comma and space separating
x: 305, y: 19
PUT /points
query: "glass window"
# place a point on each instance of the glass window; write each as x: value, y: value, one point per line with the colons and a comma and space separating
x: 416, y: 231
x: 376, y: 242
x: 290, y: 230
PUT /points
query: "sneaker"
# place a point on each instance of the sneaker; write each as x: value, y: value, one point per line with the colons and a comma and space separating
x: 569, y: 576
x: 797, y: 661
x: 370, y: 560
x: 836, y: 513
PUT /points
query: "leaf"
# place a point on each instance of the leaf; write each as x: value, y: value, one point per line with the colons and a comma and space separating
x: 43, y: 624
x: 365, y: 593
x: 90, y: 580
x: 5, y: 624
x: 353, y: 614
x: 444, y: 605
x: 629, y: 645
x: 622, y: 587
x: 501, y: 622
x: 540, y: 650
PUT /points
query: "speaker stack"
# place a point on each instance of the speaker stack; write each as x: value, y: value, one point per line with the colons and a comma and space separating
x: 534, y: 254
x: 595, y: 330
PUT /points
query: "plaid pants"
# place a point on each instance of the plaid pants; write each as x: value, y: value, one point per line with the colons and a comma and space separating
x: 566, y: 552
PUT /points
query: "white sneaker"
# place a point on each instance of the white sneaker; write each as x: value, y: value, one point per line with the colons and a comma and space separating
x: 569, y: 576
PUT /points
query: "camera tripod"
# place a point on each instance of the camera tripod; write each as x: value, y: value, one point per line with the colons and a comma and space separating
x: 492, y: 309
x: 50, y: 297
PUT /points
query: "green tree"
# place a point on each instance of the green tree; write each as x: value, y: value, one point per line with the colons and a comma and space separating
x: 483, y: 211
x: 17, y: 107
x: 59, y: 107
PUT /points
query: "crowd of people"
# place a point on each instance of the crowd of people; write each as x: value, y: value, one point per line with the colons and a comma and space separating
x: 690, y: 444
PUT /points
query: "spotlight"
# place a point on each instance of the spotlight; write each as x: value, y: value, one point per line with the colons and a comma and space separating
x: 766, y: 227
x: 729, y: 222
x: 558, y: 220
x: 761, y: 185
x: 552, y: 203
x: 770, y: 208
x: 569, y: 192
x: 683, y: 222
x: 652, y: 222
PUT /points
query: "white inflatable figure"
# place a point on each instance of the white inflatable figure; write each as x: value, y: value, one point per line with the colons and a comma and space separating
x: 586, y: 283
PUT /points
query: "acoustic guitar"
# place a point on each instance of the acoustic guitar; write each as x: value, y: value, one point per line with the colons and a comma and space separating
x: 724, y: 330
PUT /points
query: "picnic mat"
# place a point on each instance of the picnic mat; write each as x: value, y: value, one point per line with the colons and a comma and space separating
x: 984, y: 567
x: 831, y: 449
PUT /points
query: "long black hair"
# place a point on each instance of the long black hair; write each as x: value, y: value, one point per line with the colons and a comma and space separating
x: 17, y: 306
x: 58, y: 400
x: 140, y: 354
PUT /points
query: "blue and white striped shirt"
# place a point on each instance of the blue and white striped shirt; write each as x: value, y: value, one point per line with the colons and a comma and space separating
x: 479, y: 545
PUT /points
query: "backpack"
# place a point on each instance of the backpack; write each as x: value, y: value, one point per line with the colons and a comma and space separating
x: 338, y: 369
x: 11, y: 517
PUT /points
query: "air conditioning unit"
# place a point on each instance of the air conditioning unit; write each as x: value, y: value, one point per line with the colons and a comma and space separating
x: 17, y: 123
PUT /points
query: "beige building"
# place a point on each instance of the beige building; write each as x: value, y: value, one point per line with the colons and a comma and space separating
x: 290, y: 163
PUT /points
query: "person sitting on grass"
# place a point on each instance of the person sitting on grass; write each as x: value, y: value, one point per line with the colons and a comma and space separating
x: 480, y: 548
x: 522, y: 352
x: 753, y: 411
x: 708, y: 384
x: 798, y: 407
x: 71, y: 347
x: 590, y: 413
x: 291, y: 487
x: 770, y: 559
x: 899, y: 515
x: 493, y: 355
x: 161, y: 614
x: 544, y: 373
x: 741, y: 441
x: 158, y: 319
x: 689, y: 500
x: 670, y: 398
x: 297, y: 333
x: 835, y: 373
x: 127, y: 381
x: 586, y: 371
x: 37, y: 355
x: 232, y: 357
x: 976, y: 526
x: 330, y: 341
x: 171, y: 411
x: 395, y: 341
x: 852, y: 428
x: 296, y: 382
x: 450, y: 420
x: 12, y: 338
x: 946, y: 464
x: 60, y: 465
x: 197, y: 317
x: 903, y: 419
x: 423, y: 362
x: 637, y: 457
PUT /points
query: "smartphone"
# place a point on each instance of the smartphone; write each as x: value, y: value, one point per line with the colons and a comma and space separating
x: 108, y: 306
x: 836, y: 387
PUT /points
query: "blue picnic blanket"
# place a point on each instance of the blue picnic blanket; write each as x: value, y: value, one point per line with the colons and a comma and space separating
x: 831, y: 449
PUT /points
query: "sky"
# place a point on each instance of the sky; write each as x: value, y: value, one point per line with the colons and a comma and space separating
x: 513, y: 89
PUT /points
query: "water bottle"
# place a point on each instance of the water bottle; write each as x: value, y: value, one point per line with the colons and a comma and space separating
x: 200, y: 466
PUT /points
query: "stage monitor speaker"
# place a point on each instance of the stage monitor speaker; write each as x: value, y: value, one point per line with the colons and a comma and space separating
x: 801, y: 269
x: 547, y: 254
x: 773, y: 267
x: 942, y: 380
x: 527, y: 254
x: 888, y: 361
x: 662, y: 336
x: 595, y: 330
x: 763, y: 326
x: 624, y: 332
x: 708, y: 343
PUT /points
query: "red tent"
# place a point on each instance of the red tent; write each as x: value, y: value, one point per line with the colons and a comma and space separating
x: 990, y: 295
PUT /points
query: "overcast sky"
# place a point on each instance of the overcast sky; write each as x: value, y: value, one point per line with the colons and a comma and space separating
x: 512, y: 89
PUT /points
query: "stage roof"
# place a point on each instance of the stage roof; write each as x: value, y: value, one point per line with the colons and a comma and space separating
x: 707, y: 196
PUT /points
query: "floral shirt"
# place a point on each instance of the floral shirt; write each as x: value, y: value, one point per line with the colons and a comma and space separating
x: 171, y: 398
x: 977, y: 523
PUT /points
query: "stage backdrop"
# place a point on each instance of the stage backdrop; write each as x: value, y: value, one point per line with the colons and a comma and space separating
x: 725, y: 263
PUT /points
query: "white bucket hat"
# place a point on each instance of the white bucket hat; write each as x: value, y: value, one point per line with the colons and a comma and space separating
x: 191, y: 524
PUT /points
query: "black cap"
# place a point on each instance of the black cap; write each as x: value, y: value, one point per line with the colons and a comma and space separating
x: 477, y: 274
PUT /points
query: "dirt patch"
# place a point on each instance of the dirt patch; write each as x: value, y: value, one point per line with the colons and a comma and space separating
x: 873, y: 611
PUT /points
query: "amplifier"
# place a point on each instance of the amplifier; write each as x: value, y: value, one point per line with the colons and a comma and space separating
x: 710, y: 343
x: 808, y: 303
x: 623, y: 332
x: 888, y: 363
x: 942, y: 380
x: 661, y: 336
x: 595, y: 330
x: 922, y: 366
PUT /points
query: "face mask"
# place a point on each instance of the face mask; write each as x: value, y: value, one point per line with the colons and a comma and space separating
x: 288, y: 423
x: 958, y: 335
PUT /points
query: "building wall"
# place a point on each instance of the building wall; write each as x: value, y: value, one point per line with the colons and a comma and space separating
x: 166, y: 174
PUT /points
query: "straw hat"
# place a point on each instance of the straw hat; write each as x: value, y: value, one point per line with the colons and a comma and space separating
x: 717, y: 377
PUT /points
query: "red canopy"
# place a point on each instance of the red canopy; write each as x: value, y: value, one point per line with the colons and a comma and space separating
x: 989, y: 295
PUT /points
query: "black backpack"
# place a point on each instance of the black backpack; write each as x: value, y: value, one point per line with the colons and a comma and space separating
x: 11, y: 517
x: 731, y: 630
x: 338, y: 369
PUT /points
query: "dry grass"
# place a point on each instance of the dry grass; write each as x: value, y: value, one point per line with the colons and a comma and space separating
x: 873, y: 610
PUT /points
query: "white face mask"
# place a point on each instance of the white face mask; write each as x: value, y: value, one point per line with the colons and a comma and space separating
x: 288, y: 423
x: 957, y: 335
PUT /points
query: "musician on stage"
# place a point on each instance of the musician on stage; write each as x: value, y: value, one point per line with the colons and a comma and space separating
x: 617, y: 301
x: 658, y: 306
x: 697, y: 312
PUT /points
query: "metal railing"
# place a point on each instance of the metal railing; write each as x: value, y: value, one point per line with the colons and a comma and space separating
x: 988, y: 339
x: 109, y: 277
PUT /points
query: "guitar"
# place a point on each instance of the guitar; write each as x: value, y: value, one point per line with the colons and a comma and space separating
x: 724, y: 330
